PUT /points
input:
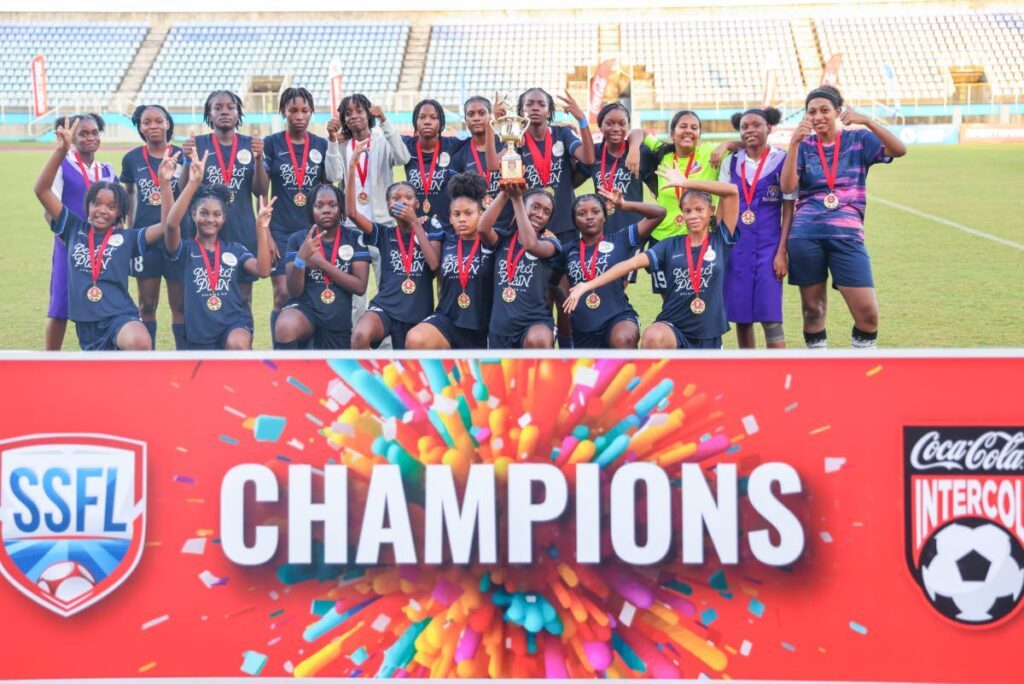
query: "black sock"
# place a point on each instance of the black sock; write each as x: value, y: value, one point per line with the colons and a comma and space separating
x: 816, y: 340
x: 863, y: 340
x: 151, y: 327
x: 180, y: 342
x: 565, y: 341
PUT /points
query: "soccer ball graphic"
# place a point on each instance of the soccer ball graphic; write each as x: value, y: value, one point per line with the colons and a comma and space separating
x: 972, y: 571
x: 66, y: 581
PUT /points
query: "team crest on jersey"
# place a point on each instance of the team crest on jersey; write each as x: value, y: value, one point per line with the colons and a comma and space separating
x: 72, y: 516
x: 964, y: 492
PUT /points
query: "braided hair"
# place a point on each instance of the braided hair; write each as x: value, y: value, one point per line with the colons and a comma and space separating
x: 208, y: 107
x: 120, y: 196
x: 137, y: 119
x: 290, y: 94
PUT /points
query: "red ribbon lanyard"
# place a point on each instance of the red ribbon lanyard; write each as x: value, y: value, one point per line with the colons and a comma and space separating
x: 425, y: 180
x: 364, y: 171
x: 689, y: 165
x: 610, y: 182
x: 512, y: 262
x: 334, y: 256
x: 695, y: 274
x: 300, y: 173
x: 85, y: 172
x: 226, y: 171
x: 830, y: 177
x: 212, y: 271
x: 464, y: 265
x: 406, y: 258
x: 748, y: 193
x: 149, y: 167
x: 589, y: 273
x: 541, y: 161
x: 96, y: 258
x: 480, y: 167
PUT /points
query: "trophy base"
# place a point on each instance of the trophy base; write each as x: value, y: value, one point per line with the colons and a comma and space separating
x: 512, y: 183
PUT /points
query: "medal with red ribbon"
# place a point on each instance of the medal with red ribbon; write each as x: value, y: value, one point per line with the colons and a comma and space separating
x: 483, y: 171
x: 542, y: 162
x: 408, y: 285
x: 679, y: 191
x: 363, y: 171
x: 511, y: 266
x: 85, y: 172
x: 212, y: 273
x: 154, y: 196
x: 94, y: 293
x: 327, y: 296
x: 697, y: 305
x: 300, y: 170
x: 608, y: 182
x: 427, y: 180
x: 463, y: 270
x: 226, y: 170
x: 748, y: 192
x: 831, y: 201
x: 590, y: 271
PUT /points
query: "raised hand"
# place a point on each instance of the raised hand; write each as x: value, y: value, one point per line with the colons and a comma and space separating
x: 849, y: 117
x: 311, y: 245
x: 614, y: 197
x: 333, y: 127
x: 168, y: 165
x: 498, y: 109
x: 570, y: 107
x: 266, y: 210
x: 66, y: 134
x: 633, y: 161
x: 189, y: 146
x: 718, y: 154
x: 674, y: 178
x: 378, y: 113
x: 257, y: 146
x: 197, y: 167
x: 803, y: 130
x: 362, y: 147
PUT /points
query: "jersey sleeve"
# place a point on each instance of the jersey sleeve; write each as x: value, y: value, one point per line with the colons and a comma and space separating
x: 359, y: 250
x: 376, y: 235
x: 652, y: 143
x: 66, y: 225
x: 269, y: 152
x: 295, y: 241
x: 657, y: 255
x: 724, y: 175
x: 632, y: 233
x: 243, y: 255
x: 127, y: 177
x: 873, y: 149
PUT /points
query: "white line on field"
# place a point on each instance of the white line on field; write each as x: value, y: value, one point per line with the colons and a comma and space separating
x: 951, y: 224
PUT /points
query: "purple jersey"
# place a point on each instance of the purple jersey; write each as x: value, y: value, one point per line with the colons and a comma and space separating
x: 860, y: 149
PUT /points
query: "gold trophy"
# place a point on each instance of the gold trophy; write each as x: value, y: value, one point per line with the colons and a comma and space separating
x: 510, y: 129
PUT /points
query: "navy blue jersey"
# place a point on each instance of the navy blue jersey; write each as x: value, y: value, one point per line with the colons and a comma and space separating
x: 147, y: 196
x: 437, y: 198
x: 407, y: 308
x: 614, y: 248
x: 465, y: 162
x: 204, y: 325
x: 289, y: 217
x: 529, y: 283
x: 477, y: 315
x: 563, y: 144
x: 670, y: 271
x: 123, y: 246
x: 240, y: 225
x: 632, y: 186
x: 338, y: 313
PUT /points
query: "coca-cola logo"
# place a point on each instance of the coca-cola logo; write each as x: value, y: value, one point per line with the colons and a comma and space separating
x: 987, y: 450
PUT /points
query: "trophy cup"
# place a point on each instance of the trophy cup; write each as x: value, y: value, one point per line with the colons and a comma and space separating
x: 510, y: 129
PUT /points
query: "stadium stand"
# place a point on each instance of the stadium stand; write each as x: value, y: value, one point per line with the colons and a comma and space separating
x: 82, y: 59
x: 482, y: 57
x: 197, y: 59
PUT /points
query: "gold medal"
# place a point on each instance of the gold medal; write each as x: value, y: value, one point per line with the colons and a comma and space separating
x: 610, y: 208
x: 679, y: 219
x: 831, y: 201
x: 508, y: 294
x: 550, y: 190
x: 94, y: 294
x: 327, y: 296
x: 426, y: 205
x: 231, y: 196
x: 463, y: 300
x: 300, y: 199
x: 592, y: 300
x: 154, y: 198
x: 363, y: 198
x: 408, y: 286
x: 747, y: 217
x: 487, y: 201
x: 213, y: 303
x: 697, y: 305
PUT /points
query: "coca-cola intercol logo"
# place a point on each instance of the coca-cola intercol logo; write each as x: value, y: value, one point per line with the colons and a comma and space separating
x: 965, y: 520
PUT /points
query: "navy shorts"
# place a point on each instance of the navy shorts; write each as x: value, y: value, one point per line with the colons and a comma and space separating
x: 282, y: 246
x: 685, y: 342
x: 148, y: 265
x: 655, y: 288
x: 811, y: 259
x: 396, y: 330
x: 102, y: 335
x: 516, y: 339
x: 457, y: 338
x: 323, y: 337
x: 222, y: 341
x: 602, y: 339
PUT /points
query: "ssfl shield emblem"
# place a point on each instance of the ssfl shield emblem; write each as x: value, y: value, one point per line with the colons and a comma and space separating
x: 72, y: 516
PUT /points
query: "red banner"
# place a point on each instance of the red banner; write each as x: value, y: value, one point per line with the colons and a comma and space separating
x: 39, y: 95
x: 598, y: 87
x: 818, y: 518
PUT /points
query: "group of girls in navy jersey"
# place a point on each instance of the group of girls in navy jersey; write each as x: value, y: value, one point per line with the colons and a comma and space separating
x: 511, y: 266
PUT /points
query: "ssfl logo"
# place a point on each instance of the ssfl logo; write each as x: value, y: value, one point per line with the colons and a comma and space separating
x: 72, y: 516
x: 965, y: 520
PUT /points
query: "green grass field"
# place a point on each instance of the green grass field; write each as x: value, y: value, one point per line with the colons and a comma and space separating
x: 938, y: 286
